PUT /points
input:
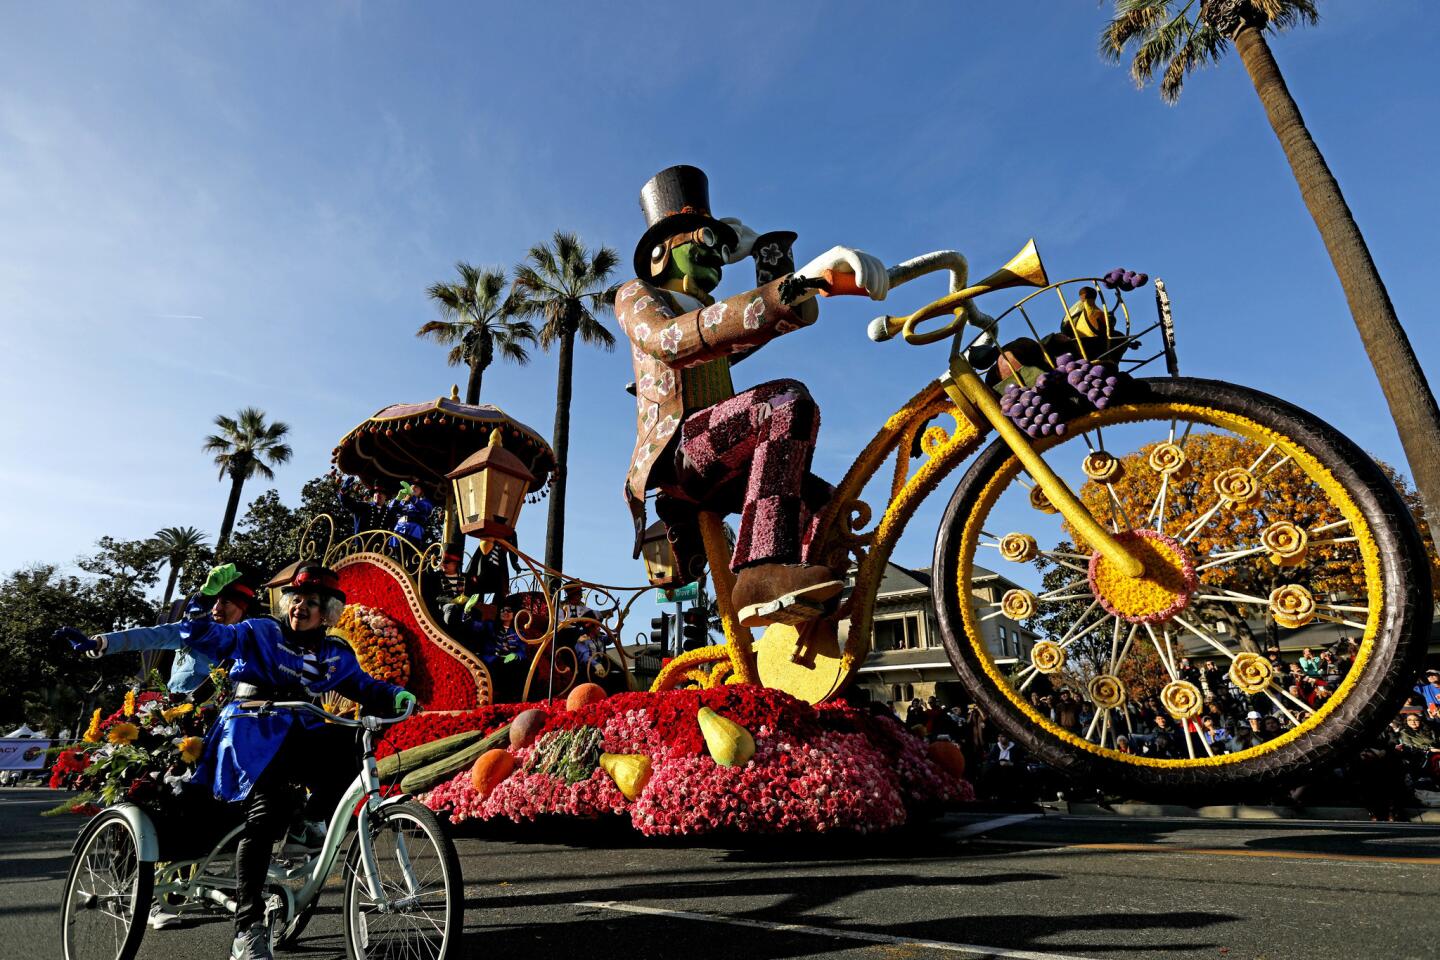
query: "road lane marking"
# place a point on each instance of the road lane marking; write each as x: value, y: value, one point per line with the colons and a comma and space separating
x: 998, y: 953
x: 986, y: 826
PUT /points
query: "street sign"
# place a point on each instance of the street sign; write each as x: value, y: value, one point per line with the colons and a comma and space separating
x: 691, y: 591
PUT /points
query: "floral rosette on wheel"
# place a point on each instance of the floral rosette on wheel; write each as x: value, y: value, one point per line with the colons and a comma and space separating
x: 143, y: 753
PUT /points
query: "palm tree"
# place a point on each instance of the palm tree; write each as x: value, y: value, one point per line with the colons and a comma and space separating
x: 563, y: 284
x: 476, y: 324
x: 1181, y: 36
x: 242, y: 447
x: 181, y: 545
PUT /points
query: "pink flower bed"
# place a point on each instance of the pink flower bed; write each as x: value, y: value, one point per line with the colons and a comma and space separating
x: 832, y: 768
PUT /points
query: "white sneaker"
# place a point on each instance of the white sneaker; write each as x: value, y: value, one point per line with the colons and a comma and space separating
x: 307, y: 834
x: 253, y: 944
x: 162, y: 919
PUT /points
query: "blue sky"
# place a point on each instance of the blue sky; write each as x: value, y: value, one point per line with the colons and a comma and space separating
x: 204, y: 207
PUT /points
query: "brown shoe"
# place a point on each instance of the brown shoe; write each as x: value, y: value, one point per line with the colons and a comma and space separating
x: 783, y: 592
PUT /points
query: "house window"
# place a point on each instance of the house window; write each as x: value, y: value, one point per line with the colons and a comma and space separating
x: 1004, y: 643
x: 898, y: 633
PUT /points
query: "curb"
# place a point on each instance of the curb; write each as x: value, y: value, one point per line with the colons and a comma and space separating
x: 1427, y: 815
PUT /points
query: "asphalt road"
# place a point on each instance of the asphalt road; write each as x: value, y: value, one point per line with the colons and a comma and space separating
x: 981, y: 885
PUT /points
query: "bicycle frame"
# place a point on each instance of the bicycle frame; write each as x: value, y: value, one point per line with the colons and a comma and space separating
x: 359, y: 805
x: 959, y: 392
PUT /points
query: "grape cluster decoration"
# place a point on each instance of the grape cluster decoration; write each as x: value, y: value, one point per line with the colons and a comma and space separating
x: 1124, y: 280
x: 1075, y: 386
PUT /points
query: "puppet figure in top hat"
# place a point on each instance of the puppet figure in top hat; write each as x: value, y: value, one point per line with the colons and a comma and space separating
x: 699, y: 443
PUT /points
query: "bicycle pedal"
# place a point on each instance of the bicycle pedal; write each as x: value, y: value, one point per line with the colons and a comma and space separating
x: 790, y: 610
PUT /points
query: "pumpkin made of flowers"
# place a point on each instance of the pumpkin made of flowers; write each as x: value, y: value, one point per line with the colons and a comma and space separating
x: 378, y: 642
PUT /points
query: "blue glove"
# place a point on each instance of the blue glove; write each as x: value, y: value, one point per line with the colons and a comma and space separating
x: 79, y: 643
x: 405, y: 697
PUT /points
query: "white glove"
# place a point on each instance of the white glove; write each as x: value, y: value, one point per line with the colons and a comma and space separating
x: 747, y: 239
x: 869, y: 272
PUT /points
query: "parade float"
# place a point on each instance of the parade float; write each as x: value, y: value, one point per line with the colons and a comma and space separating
x: 1144, y: 516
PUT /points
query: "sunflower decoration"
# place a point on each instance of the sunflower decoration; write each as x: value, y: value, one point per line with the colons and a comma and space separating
x: 123, y: 733
x: 378, y: 642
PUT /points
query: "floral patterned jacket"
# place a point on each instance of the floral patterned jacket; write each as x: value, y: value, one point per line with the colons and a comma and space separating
x: 664, y: 343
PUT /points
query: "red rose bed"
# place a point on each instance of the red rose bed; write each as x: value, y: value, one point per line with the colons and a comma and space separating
x: 814, y: 769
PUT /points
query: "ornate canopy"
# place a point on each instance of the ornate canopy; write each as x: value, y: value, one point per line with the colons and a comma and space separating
x: 425, y: 441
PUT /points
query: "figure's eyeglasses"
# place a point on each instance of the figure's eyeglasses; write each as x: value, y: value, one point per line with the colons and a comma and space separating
x: 703, y: 236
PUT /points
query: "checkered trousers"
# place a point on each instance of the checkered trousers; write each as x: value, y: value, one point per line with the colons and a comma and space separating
x: 752, y: 453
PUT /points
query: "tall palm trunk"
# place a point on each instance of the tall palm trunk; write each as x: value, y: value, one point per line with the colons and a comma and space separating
x: 1412, y: 405
x: 231, y: 508
x: 555, y: 529
x: 472, y: 388
x: 169, y: 590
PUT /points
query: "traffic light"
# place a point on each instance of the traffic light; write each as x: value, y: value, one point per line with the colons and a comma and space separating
x: 660, y: 631
x: 694, y: 630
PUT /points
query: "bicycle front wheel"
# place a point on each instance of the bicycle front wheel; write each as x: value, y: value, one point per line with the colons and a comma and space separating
x: 419, y: 914
x: 1266, y: 535
x: 107, y: 893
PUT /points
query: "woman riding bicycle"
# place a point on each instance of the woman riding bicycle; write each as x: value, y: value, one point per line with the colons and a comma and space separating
x: 258, y: 759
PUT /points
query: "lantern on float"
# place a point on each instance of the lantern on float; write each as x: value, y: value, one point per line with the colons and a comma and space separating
x: 661, y: 565
x: 490, y: 488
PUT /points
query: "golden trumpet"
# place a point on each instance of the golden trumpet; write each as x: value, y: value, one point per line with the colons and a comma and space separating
x: 1022, y: 270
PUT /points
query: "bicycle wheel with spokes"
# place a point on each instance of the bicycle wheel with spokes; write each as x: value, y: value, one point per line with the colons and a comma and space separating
x: 1260, y: 527
x: 107, y: 893
x: 419, y: 914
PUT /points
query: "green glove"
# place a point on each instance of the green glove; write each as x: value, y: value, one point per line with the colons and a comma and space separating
x: 510, y: 658
x: 471, y: 602
x: 406, y: 490
x: 402, y: 698
x: 220, y: 578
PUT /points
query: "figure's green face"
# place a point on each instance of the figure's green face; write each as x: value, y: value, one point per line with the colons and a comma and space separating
x: 700, y: 263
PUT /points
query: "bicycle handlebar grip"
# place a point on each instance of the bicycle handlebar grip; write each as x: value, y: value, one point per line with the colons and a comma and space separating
x: 841, y: 283
x: 882, y: 329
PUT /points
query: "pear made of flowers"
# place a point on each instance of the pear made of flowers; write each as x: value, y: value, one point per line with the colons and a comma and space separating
x: 729, y: 743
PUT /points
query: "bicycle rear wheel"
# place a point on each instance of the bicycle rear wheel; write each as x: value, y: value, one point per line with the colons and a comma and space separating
x: 107, y: 893
x: 1262, y: 528
x: 418, y: 872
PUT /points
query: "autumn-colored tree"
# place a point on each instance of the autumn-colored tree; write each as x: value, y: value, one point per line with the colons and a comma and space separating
x: 1172, y: 38
x: 1331, y: 567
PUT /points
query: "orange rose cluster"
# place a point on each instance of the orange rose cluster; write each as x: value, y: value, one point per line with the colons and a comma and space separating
x: 378, y: 642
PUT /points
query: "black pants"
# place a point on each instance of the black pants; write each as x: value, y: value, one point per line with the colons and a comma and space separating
x: 325, y: 760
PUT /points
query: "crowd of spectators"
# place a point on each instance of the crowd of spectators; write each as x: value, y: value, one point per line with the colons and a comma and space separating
x: 1400, y: 768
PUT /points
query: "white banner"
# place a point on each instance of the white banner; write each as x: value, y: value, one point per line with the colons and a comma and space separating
x: 23, y: 754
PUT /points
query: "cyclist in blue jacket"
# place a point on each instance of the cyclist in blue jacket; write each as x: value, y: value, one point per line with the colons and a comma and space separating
x: 227, y: 597
x: 256, y: 759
